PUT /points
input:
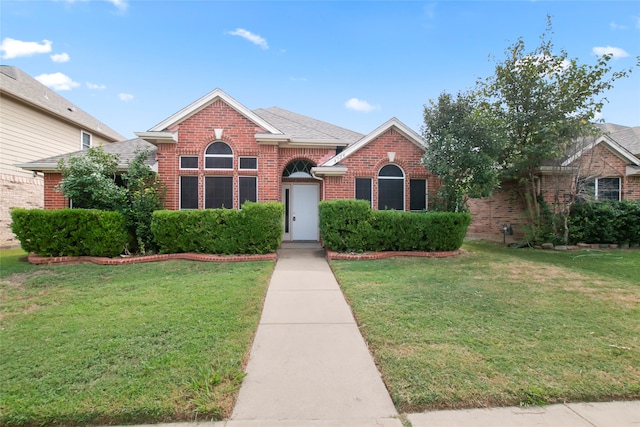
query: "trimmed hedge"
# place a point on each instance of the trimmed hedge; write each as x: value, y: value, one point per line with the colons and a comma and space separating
x: 605, y: 222
x: 351, y: 226
x: 256, y: 229
x: 70, y: 232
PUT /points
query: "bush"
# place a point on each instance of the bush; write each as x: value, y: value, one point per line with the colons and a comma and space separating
x: 605, y: 222
x: 256, y: 229
x: 351, y: 226
x: 70, y: 232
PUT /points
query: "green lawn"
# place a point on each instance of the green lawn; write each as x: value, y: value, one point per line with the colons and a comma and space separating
x: 124, y: 344
x: 501, y: 326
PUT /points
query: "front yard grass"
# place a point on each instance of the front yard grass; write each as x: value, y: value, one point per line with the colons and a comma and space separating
x: 500, y: 326
x: 89, y: 344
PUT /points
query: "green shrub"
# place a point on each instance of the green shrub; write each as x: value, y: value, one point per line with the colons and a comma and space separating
x: 351, y: 226
x: 70, y: 232
x: 256, y: 229
x: 605, y: 222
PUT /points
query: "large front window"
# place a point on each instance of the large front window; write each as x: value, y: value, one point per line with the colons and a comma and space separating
x: 218, y: 192
x: 247, y: 189
x: 188, y: 192
x: 218, y: 155
x: 363, y: 189
x: 391, y: 188
x: 602, y: 188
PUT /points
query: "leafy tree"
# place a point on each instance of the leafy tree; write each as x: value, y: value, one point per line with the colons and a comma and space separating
x: 91, y: 181
x: 463, y: 145
x: 545, y: 101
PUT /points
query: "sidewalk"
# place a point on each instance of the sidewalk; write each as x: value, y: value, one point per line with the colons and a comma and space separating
x: 309, y: 365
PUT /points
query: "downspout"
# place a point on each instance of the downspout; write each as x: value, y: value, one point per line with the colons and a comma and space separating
x: 313, y: 175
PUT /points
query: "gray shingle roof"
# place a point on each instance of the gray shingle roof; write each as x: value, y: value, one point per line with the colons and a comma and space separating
x: 628, y: 137
x: 303, y: 127
x: 126, y: 150
x: 17, y: 83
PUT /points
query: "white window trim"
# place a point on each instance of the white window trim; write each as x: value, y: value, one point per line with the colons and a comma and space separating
x: 188, y: 169
x: 180, y: 193
x: 597, y: 190
x: 82, y: 134
x: 404, y: 187
x: 238, y: 186
x: 218, y: 156
x: 247, y: 157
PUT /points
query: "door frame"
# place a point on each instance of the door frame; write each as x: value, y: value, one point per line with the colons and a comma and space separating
x: 288, y: 194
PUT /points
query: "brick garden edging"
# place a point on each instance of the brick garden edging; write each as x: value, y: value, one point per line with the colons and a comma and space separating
x: 35, y: 259
x: 331, y: 255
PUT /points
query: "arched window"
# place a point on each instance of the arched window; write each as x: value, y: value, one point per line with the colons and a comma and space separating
x: 391, y: 188
x: 299, y: 168
x: 218, y: 155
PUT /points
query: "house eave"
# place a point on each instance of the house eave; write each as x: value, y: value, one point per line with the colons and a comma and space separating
x: 322, y: 171
x: 557, y: 170
x: 633, y: 170
x: 156, y: 138
x: 287, y: 141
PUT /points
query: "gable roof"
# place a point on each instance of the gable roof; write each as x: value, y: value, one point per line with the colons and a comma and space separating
x: 622, y: 140
x: 126, y: 151
x: 394, y: 123
x: 19, y: 85
x: 206, y: 100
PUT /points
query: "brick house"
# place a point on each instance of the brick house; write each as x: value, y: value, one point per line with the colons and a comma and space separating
x: 606, y: 167
x: 36, y: 122
x: 217, y: 153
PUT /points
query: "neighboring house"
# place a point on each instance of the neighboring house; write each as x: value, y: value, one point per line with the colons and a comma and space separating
x: 217, y: 153
x: 36, y: 122
x: 606, y: 167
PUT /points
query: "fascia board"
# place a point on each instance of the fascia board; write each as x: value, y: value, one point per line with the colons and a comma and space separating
x: 37, y: 167
x: 404, y: 130
x: 159, y: 137
x: 633, y: 171
x: 196, y: 106
x: 329, y: 170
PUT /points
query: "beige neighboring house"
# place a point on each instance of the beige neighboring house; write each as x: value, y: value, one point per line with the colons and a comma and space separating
x: 36, y: 122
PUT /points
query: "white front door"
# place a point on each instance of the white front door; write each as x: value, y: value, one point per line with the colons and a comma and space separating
x: 301, y: 220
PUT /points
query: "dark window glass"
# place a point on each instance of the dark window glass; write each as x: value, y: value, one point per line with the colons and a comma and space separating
x: 363, y: 189
x: 299, y: 168
x: 189, y: 162
x: 218, y: 162
x: 418, y: 194
x: 249, y: 163
x: 248, y: 189
x: 391, y: 171
x: 86, y: 141
x: 219, y: 148
x: 188, y: 192
x: 391, y: 194
x: 608, y: 188
x: 218, y: 192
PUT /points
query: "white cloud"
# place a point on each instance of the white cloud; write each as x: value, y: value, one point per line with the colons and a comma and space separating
x: 122, y: 5
x: 13, y: 48
x: 57, y: 81
x: 615, y: 26
x: 125, y: 97
x: 359, y: 105
x: 248, y: 35
x: 60, y: 57
x: 94, y: 86
x: 616, y: 52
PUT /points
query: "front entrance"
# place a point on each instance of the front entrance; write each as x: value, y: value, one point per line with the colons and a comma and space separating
x: 301, y: 212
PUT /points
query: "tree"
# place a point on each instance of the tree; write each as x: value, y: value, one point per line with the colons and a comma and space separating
x: 545, y: 102
x: 91, y: 181
x: 463, y: 145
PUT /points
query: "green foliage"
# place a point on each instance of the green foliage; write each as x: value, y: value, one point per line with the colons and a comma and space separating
x: 605, y: 222
x: 463, y: 145
x: 351, y: 226
x: 70, y: 232
x: 89, y: 179
x: 256, y: 229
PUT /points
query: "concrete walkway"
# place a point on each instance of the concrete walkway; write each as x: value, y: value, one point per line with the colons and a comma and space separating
x: 309, y: 365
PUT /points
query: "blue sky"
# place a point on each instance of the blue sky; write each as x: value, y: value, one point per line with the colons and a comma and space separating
x: 133, y: 63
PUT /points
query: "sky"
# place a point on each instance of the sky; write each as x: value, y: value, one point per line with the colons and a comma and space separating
x: 356, y: 64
